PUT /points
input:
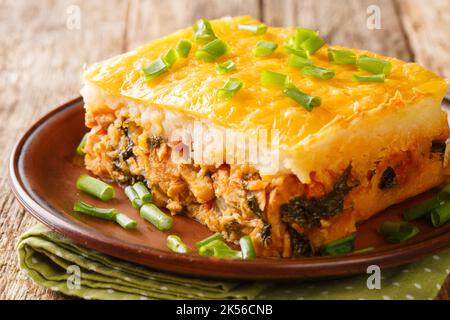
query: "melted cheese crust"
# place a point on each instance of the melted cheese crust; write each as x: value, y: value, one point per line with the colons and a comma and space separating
x: 190, y: 88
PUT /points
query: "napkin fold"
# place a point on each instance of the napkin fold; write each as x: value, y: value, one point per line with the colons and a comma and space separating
x: 60, y: 264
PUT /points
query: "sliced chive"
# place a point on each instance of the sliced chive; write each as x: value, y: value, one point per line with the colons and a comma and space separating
x: 441, y: 215
x: 175, y: 244
x: 341, y: 56
x: 215, y: 236
x: 183, y: 48
x: 226, y: 67
x: 374, y: 65
x: 170, y: 57
x: 303, y: 34
x: 298, y: 52
x: 102, y: 213
x: 270, y: 78
x: 340, y: 246
x: 305, y: 100
x: 395, y: 232
x: 230, y: 88
x: 264, y: 48
x: 364, y: 250
x: 143, y: 193
x: 155, y: 216
x: 247, y: 249
x: 203, y: 31
x: 80, y: 148
x: 132, y: 195
x: 95, y: 187
x: 311, y: 45
x: 368, y: 78
x: 212, y: 50
x: 219, y: 249
x: 155, y: 69
x: 298, y: 62
x: 421, y: 209
x: 321, y: 73
x: 259, y: 29
x: 125, y: 222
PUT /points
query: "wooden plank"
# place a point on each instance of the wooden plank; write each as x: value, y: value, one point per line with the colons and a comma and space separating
x: 41, y: 61
x: 343, y: 22
x: 151, y: 19
x: 427, y: 25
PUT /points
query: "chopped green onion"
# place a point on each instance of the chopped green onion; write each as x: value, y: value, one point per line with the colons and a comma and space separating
x: 441, y: 215
x: 264, y: 48
x: 303, y: 34
x: 102, y: 213
x: 80, y: 148
x: 212, y: 50
x: 364, y: 250
x: 307, y: 101
x: 219, y: 249
x: 154, y: 69
x: 321, y: 73
x: 368, y: 78
x: 155, y: 216
x: 170, y: 57
x: 143, y: 193
x: 421, y: 209
x: 203, y: 32
x: 175, y: 244
x: 95, y: 187
x: 340, y: 246
x: 341, y: 56
x: 374, y: 65
x: 183, y: 48
x: 247, y: 249
x: 133, y: 197
x: 298, y: 52
x: 270, y: 78
x: 311, y: 45
x: 226, y: 67
x: 215, y: 236
x: 395, y: 232
x: 125, y: 222
x: 444, y: 194
x: 255, y: 28
x: 298, y: 62
x: 230, y: 88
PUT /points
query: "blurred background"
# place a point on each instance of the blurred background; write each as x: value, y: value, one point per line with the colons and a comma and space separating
x: 45, y: 44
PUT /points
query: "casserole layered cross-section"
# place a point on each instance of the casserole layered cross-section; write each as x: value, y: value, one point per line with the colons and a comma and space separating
x: 368, y: 145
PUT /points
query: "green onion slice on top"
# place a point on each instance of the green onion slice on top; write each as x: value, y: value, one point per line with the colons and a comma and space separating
x: 219, y: 249
x: 215, y: 236
x: 259, y: 29
x: 155, y: 69
x: 341, y: 56
x: 270, y: 78
x: 305, y: 100
x: 303, y: 34
x: 368, y: 77
x: 183, y: 48
x: 133, y: 197
x: 311, y: 45
x: 230, y: 88
x: 80, y: 148
x: 175, y: 244
x: 298, y: 62
x: 321, y: 73
x: 226, y: 67
x: 203, y: 31
x: 441, y: 215
x: 421, y: 209
x: 102, y: 213
x: 374, y: 65
x: 155, y: 216
x: 95, y: 187
x: 340, y: 246
x: 143, y: 193
x: 170, y: 57
x: 125, y: 222
x: 298, y: 52
x: 264, y: 48
x: 247, y: 249
x: 212, y: 50
x: 395, y: 232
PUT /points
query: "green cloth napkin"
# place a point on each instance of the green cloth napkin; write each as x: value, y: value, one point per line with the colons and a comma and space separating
x: 54, y: 262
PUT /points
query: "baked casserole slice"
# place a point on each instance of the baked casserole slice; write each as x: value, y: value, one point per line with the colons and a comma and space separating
x: 366, y: 145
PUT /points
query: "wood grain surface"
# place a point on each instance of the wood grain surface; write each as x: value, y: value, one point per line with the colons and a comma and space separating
x: 41, y: 60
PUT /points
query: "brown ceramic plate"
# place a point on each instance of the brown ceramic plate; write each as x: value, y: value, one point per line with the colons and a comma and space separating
x: 43, y: 171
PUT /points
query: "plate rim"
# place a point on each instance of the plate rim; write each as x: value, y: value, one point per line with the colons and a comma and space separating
x: 205, y: 267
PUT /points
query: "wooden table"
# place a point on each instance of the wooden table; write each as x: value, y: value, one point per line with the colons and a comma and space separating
x: 43, y: 51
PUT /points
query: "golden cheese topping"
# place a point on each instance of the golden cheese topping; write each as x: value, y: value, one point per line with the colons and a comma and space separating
x: 190, y: 86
